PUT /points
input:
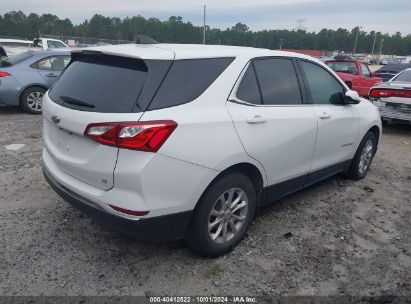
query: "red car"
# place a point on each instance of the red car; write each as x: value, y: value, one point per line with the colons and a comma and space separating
x: 355, y: 74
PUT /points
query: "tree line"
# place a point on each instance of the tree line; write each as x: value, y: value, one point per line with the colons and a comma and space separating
x: 175, y: 30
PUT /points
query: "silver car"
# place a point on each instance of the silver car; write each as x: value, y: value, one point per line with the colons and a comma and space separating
x: 393, y: 98
x: 24, y: 78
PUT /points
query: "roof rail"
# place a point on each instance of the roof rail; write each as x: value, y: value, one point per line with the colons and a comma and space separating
x: 143, y: 39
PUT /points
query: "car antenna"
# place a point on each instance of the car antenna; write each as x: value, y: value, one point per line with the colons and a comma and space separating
x: 143, y: 39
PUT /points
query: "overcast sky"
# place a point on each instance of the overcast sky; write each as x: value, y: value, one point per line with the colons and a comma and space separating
x: 382, y: 15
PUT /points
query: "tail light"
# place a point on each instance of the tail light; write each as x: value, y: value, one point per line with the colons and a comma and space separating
x: 385, y: 93
x: 144, y: 136
x: 4, y: 74
x: 377, y: 74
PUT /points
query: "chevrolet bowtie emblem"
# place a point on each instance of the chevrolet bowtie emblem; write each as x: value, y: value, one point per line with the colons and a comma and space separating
x: 55, y: 119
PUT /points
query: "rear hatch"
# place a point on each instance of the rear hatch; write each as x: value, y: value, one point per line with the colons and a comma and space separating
x: 98, y: 87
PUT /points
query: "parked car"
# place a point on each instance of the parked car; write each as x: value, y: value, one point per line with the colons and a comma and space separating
x: 393, y: 98
x: 384, y: 61
x: 181, y: 141
x: 388, y: 71
x: 355, y: 74
x: 49, y: 44
x: 24, y: 78
x: 15, y: 46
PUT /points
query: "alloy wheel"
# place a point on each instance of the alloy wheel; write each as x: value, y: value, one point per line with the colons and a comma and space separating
x: 366, y: 156
x: 228, y: 215
x: 34, y: 100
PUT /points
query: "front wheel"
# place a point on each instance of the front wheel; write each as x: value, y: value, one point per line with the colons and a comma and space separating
x: 222, y: 215
x: 361, y: 162
x: 31, y: 100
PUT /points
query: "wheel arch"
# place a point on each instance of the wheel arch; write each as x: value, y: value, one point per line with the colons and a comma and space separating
x: 248, y: 169
x: 23, y: 89
x: 377, y: 132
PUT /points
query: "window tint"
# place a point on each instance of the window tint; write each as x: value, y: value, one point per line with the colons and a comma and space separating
x: 100, y: 84
x: 404, y: 76
x: 321, y: 85
x: 248, y: 89
x: 55, y: 63
x: 44, y: 64
x: 187, y: 80
x: 365, y: 70
x: 278, y: 81
x: 349, y: 67
x: 58, y: 63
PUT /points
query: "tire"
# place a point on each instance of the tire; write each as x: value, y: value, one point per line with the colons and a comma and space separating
x: 362, y: 160
x: 227, y: 186
x: 31, y: 98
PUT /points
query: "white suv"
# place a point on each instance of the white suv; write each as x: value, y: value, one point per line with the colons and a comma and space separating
x: 185, y: 141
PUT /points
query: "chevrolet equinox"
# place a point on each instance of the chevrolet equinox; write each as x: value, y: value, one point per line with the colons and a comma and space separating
x: 167, y: 141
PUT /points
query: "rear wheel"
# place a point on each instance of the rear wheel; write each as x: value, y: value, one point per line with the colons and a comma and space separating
x: 223, y: 215
x: 363, y: 157
x: 31, y: 100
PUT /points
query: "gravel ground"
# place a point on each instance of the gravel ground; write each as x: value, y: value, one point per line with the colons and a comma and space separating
x: 336, y: 238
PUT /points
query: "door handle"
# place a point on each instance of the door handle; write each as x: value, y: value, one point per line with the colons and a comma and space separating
x: 51, y: 75
x: 325, y: 115
x: 256, y: 119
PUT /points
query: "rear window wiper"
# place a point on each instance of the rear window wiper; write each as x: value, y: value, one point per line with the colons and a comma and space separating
x: 75, y: 101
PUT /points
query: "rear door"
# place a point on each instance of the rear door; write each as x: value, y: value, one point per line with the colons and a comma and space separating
x: 274, y: 125
x: 338, y: 124
x: 94, y: 89
x: 51, y: 67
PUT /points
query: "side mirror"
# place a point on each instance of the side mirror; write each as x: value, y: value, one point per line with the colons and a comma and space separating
x: 351, y: 97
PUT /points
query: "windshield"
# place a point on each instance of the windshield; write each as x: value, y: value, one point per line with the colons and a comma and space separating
x: 343, y: 66
x: 405, y: 76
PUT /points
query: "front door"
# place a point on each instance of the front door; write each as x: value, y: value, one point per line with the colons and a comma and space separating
x: 338, y: 123
x: 366, y: 81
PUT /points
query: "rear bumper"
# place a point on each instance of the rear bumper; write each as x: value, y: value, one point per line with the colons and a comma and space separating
x: 160, y: 228
x: 393, y: 113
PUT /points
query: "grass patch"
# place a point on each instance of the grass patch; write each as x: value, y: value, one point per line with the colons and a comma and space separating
x: 215, y: 270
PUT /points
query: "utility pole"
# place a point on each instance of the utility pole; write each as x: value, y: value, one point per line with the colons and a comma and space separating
x: 373, y: 45
x: 356, y: 38
x: 204, y: 25
x: 381, y: 42
x: 281, y: 43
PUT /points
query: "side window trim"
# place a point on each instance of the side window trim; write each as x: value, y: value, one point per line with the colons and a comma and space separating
x: 258, y: 83
x: 307, y: 89
x: 232, y: 97
x: 300, y: 79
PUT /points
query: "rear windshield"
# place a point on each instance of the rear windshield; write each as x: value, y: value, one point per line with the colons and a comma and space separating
x: 12, y: 60
x: 343, y: 66
x: 403, y: 77
x: 100, y: 83
x: 112, y: 84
